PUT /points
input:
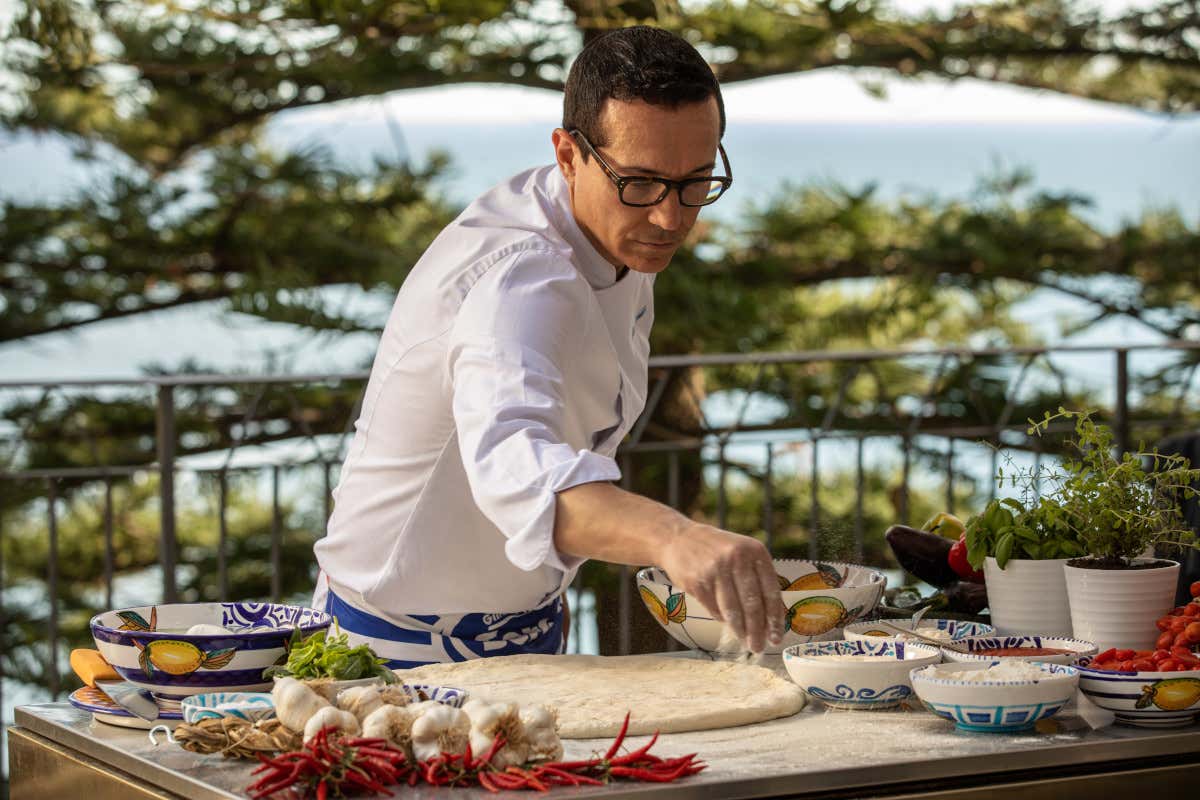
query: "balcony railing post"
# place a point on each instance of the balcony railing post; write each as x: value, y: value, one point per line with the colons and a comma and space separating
x: 166, y: 488
x: 1121, y: 411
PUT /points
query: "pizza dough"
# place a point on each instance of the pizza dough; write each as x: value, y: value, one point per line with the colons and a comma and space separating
x: 592, y: 693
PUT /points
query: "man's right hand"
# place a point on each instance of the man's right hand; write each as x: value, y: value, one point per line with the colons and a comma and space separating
x: 733, y: 577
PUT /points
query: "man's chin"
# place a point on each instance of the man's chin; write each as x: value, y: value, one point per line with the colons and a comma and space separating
x: 642, y: 261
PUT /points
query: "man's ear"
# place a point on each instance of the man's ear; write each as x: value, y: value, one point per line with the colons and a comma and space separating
x: 566, y: 154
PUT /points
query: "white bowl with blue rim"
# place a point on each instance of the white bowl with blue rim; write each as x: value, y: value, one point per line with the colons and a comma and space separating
x: 248, y: 706
x: 151, y: 647
x: 448, y: 695
x: 948, y: 629
x: 821, y: 598
x: 1077, y: 650
x: 861, y: 674
x: 998, y: 705
x: 1144, y: 699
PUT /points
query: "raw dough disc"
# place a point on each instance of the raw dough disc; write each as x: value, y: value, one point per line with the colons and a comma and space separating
x: 592, y: 693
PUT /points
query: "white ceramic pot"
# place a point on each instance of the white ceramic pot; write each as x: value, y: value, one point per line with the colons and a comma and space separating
x: 1028, y: 597
x: 1118, y: 607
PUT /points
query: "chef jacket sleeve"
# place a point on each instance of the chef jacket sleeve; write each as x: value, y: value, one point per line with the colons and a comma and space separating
x: 517, y: 325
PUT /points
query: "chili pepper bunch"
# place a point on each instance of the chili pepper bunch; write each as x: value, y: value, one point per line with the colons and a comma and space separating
x: 333, y: 765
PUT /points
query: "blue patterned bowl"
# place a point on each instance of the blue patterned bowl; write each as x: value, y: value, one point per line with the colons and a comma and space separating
x: 250, y: 706
x: 150, y: 645
x: 996, y: 706
x: 955, y: 628
x: 448, y: 695
x: 876, y: 677
x: 1144, y: 699
x: 1078, y: 651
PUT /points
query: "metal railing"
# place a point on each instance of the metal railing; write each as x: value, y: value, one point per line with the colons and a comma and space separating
x: 848, y: 420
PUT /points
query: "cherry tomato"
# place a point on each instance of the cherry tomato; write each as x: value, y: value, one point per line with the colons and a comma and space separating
x: 1163, y: 623
x: 1193, y: 632
x: 1107, y: 655
x: 1168, y: 665
x: 1195, y: 589
x: 1126, y: 666
x: 1143, y: 665
x: 1165, y: 640
x: 1178, y: 624
x: 1192, y: 610
x: 1124, y: 655
x: 1160, y: 654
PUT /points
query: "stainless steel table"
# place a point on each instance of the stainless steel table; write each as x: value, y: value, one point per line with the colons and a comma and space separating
x: 57, y: 751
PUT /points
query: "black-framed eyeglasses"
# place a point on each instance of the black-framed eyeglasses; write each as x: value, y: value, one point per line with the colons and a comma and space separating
x: 647, y: 191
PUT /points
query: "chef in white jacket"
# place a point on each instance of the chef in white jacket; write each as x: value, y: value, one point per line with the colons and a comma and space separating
x: 513, y: 363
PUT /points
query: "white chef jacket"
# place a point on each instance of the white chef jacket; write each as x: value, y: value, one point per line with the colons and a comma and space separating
x: 511, y: 367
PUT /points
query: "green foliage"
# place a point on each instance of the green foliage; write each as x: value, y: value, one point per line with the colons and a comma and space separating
x: 1007, y: 529
x: 325, y: 655
x: 1120, y: 505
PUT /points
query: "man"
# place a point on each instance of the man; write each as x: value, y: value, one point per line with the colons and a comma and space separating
x: 513, y: 363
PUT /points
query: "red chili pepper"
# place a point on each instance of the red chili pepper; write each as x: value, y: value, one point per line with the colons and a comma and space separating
x: 616, y: 745
x: 486, y: 782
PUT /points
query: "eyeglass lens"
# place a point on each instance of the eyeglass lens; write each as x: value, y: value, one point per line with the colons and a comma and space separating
x: 649, y: 192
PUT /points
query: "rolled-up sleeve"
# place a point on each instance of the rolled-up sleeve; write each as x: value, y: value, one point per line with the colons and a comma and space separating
x: 519, y: 324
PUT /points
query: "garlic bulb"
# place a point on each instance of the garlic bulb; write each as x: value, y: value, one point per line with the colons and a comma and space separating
x: 394, y: 695
x: 541, y: 732
x: 440, y: 729
x: 359, y: 701
x: 342, y: 720
x: 393, y: 723
x: 295, y: 703
x: 491, y: 719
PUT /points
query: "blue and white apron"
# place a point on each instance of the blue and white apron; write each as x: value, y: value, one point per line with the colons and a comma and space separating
x: 418, y: 639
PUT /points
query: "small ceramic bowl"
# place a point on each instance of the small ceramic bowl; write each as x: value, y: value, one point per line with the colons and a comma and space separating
x: 876, y: 678
x: 149, y: 645
x: 1080, y: 651
x: 954, y: 628
x: 250, y: 706
x: 1144, y: 699
x: 821, y: 597
x: 995, y: 706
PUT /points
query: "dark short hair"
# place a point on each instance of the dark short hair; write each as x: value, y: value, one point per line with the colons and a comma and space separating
x: 635, y: 63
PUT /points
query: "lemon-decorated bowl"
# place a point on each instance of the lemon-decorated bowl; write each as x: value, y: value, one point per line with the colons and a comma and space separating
x: 183, y: 649
x: 1144, y: 699
x: 821, y: 598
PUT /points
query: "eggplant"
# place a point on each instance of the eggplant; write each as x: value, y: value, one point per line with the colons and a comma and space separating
x: 966, y: 597
x: 923, y: 554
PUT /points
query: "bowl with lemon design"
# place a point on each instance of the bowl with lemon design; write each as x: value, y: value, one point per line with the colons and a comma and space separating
x: 1144, y: 699
x: 180, y: 649
x: 821, y: 597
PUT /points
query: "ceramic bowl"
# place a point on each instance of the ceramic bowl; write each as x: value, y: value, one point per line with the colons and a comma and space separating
x: 879, y: 680
x: 250, y: 706
x: 149, y: 645
x: 1081, y: 651
x: 957, y: 629
x: 822, y: 597
x: 1144, y: 699
x: 999, y: 706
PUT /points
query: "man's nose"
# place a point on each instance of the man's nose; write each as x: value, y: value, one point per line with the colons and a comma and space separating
x: 668, y: 214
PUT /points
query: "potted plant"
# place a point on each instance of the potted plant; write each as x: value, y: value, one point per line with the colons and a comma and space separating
x: 1021, y: 545
x: 1120, y: 507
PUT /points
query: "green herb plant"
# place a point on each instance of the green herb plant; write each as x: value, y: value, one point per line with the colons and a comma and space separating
x: 1009, y: 528
x: 322, y: 655
x: 1119, y: 506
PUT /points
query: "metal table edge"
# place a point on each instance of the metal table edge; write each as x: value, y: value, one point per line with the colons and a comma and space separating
x: 145, y: 769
